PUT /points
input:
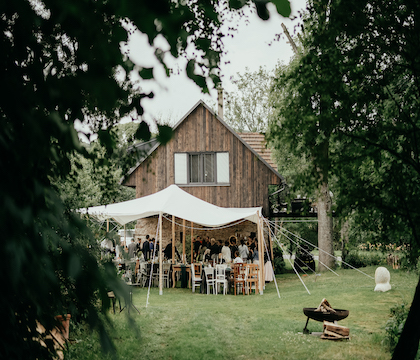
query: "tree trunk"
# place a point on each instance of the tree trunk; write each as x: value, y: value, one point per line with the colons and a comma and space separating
x: 325, y: 228
x: 408, y: 344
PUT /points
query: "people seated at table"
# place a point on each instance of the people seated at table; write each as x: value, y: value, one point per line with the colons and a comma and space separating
x: 243, y: 251
x: 226, y: 255
x: 214, y: 249
x: 201, y: 251
x: 206, y: 255
x: 237, y: 258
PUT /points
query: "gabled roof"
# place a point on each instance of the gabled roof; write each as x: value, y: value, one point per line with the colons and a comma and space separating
x: 201, y: 102
x: 258, y: 143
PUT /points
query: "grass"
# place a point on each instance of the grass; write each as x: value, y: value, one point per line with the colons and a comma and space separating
x: 183, y: 325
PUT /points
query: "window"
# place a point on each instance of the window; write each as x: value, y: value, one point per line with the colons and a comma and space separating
x: 208, y: 168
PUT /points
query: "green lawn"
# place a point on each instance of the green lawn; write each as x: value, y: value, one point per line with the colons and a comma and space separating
x: 183, y: 325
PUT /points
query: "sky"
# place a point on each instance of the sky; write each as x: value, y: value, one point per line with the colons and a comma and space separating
x: 249, y: 49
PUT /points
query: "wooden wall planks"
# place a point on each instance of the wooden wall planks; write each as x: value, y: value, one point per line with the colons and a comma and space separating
x: 202, y: 131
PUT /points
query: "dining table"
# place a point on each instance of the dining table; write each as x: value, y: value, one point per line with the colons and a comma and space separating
x: 179, y: 268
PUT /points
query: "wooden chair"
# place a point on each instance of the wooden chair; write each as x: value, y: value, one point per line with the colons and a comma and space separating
x: 239, y: 276
x: 195, y: 276
x: 251, y: 278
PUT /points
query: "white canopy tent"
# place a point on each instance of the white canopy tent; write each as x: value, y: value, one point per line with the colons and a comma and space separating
x: 177, y: 202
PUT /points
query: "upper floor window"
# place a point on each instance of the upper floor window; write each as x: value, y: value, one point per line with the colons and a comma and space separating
x: 202, y: 168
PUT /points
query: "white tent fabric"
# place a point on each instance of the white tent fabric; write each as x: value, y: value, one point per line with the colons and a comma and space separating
x: 177, y: 202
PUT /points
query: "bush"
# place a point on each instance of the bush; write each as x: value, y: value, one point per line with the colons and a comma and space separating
x: 395, y: 325
x: 278, y: 261
x: 408, y: 263
x: 357, y: 258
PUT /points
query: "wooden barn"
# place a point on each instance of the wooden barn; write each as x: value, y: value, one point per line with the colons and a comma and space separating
x: 209, y: 160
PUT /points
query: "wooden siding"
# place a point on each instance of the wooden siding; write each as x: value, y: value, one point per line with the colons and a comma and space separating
x: 202, y: 131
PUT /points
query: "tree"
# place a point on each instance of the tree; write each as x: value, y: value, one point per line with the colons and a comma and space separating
x: 303, y: 119
x: 365, y: 53
x: 378, y: 156
x: 247, y: 108
x: 88, y: 185
x: 61, y: 61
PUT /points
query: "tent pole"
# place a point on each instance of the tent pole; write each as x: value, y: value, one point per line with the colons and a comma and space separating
x: 107, y: 225
x: 183, y: 241
x: 260, y: 256
x: 160, y: 256
x: 192, y: 235
x: 125, y: 236
x: 271, y: 245
x: 173, y: 239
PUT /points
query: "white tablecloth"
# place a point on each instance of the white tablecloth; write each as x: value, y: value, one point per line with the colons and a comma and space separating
x: 268, y: 270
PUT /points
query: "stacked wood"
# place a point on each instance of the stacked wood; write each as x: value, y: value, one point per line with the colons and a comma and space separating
x: 333, y: 331
x: 325, y: 307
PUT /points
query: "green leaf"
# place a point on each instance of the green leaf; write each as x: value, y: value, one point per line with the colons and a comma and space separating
x: 146, y: 73
x: 143, y: 132
x: 283, y: 7
x: 262, y: 10
x: 165, y: 133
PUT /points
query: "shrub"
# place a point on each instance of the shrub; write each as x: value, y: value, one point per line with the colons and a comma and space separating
x: 278, y: 261
x: 395, y: 325
x: 408, y: 263
x: 358, y: 258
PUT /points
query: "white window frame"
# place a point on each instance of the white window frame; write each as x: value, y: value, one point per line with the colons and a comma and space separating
x: 221, y: 169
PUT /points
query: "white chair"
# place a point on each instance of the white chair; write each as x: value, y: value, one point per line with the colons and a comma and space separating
x: 210, y: 279
x: 166, y: 269
x: 195, y: 279
x: 155, y: 275
x: 221, y: 278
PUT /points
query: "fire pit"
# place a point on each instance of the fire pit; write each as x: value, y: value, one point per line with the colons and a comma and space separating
x: 338, y: 315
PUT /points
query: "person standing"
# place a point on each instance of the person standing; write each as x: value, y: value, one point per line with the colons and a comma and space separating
x: 255, y: 255
x: 132, y: 249
x: 151, y: 248
x: 197, y: 244
x: 146, y: 248
x: 226, y: 254
x: 233, y: 246
x: 138, y: 247
x: 243, y: 250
